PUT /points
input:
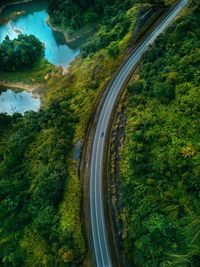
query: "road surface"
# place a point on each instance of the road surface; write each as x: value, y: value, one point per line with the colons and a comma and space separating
x: 99, y: 238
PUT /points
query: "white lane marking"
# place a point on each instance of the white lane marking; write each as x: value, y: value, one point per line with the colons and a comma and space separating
x: 96, y: 202
x: 115, y: 89
x: 92, y: 204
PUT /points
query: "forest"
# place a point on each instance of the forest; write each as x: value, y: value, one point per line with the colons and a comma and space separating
x: 21, y: 53
x: 160, y: 172
x: 76, y: 14
x: 34, y: 160
x: 40, y: 211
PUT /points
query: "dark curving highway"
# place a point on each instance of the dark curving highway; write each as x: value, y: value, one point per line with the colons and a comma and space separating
x: 99, y: 238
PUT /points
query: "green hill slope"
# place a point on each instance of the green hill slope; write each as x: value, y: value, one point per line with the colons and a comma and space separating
x: 40, y: 209
x: 160, y: 163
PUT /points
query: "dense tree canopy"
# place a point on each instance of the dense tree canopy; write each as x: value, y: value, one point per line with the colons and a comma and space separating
x: 40, y: 191
x: 40, y: 188
x: 20, y: 53
x: 34, y: 152
x: 160, y: 168
x: 109, y: 34
x: 76, y: 14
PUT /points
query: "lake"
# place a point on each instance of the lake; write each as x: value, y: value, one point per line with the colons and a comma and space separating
x: 20, y: 102
x: 30, y: 18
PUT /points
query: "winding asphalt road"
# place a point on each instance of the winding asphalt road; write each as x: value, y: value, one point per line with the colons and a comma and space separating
x: 99, y: 238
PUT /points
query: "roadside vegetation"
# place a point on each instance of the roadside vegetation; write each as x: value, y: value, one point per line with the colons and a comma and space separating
x: 76, y: 16
x: 34, y: 163
x: 40, y: 189
x: 160, y: 162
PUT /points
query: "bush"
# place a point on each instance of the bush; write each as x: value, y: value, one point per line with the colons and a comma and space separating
x: 160, y: 164
x: 20, y: 53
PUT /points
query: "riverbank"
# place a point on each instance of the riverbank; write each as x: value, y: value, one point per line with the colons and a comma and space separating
x: 76, y: 36
x: 69, y: 38
x: 68, y: 103
x: 2, y: 5
x: 36, y: 89
x: 33, y: 80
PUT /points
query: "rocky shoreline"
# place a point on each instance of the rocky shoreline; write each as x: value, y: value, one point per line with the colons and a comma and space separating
x: 13, y: 3
x: 58, y: 29
x: 69, y: 40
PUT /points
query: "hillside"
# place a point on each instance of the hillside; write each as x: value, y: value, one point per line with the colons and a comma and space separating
x: 160, y: 162
x: 74, y: 15
x: 40, y: 211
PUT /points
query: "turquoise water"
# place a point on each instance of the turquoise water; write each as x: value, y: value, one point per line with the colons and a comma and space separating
x: 31, y: 19
x: 20, y: 102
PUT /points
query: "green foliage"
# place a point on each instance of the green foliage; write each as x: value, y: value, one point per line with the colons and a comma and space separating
x: 160, y: 166
x: 20, y: 53
x: 108, y: 35
x: 34, y: 169
x: 40, y: 188
x: 76, y: 14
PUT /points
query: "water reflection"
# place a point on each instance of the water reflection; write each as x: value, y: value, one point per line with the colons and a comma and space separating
x: 20, y: 102
x: 30, y: 18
